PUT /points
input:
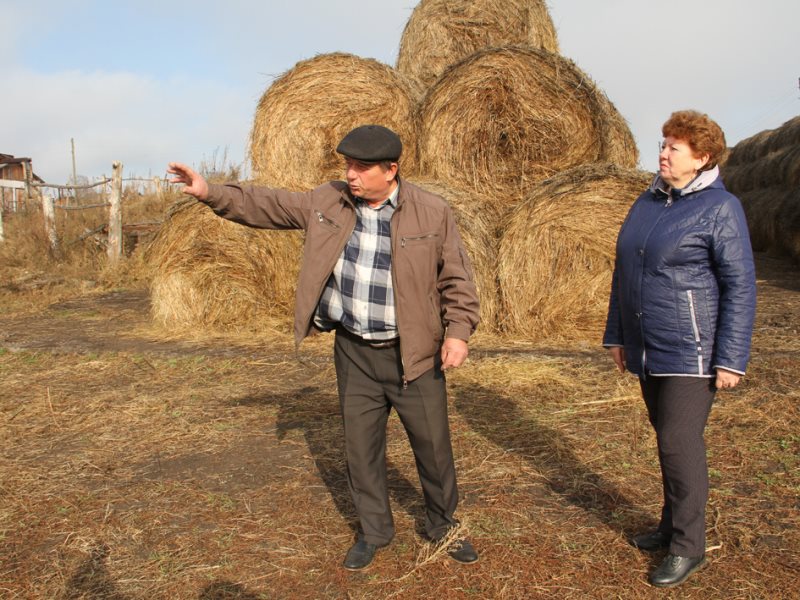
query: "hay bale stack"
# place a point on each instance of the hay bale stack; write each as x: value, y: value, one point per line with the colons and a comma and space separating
x: 440, y: 33
x: 211, y: 272
x: 557, y: 253
x: 764, y: 172
x: 477, y: 227
x: 306, y: 112
x: 506, y: 118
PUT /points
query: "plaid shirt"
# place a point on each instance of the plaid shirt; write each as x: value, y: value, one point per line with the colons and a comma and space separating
x: 359, y: 293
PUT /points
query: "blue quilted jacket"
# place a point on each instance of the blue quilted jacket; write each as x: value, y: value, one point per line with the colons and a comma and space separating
x: 683, y: 295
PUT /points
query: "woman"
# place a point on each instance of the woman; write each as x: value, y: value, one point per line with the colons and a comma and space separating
x: 681, y: 317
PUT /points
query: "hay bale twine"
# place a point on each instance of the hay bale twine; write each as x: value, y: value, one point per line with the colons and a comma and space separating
x: 556, y: 255
x: 305, y: 113
x: 443, y: 32
x: 210, y: 272
x: 506, y: 118
x: 477, y: 228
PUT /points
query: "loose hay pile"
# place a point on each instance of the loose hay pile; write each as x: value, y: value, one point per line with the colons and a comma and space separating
x: 215, y: 273
x: 557, y: 253
x: 443, y: 32
x: 506, y: 118
x: 476, y: 226
x: 306, y: 112
x: 764, y: 172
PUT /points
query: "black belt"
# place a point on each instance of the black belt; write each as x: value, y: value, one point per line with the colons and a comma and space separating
x: 371, y: 343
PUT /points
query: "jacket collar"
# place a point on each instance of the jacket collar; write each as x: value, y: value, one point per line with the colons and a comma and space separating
x: 703, y: 180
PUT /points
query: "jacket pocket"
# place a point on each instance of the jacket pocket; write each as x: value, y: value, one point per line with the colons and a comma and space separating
x: 695, y: 330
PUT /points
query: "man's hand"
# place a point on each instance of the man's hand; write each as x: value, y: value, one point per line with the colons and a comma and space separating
x: 727, y: 379
x: 454, y: 353
x: 618, y: 354
x: 194, y: 183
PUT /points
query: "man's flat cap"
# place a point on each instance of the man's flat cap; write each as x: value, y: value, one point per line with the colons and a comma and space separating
x: 371, y: 143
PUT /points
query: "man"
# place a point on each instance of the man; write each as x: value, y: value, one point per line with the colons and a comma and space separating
x: 384, y: 267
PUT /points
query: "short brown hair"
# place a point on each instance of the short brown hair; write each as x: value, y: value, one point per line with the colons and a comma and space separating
x: 700, y: 132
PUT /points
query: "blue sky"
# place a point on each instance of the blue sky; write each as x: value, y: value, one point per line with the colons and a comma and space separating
x: 147, y: 82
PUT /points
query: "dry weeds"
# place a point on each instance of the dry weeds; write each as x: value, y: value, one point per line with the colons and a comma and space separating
x: 138, y: 466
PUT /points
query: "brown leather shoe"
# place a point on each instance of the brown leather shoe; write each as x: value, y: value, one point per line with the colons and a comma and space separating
x: 655, y: 540
x: 674, y: 570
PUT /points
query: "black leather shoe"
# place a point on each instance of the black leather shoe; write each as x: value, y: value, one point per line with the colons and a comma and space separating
x: 463, y: 552
x: 359, y: 556
x: 675, y: 570
x: 651, y: 541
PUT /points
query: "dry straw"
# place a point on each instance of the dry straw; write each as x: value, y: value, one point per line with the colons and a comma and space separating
x: 557, y: 253
x: 506, y: 118
x: 210, y: 272
x: 306, y: 112
x: 477, y: 227
x: 443, y: 32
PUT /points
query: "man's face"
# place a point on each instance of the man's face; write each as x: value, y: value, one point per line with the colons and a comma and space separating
x: 369, y: 181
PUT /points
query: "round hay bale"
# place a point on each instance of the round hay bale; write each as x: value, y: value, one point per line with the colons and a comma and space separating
x: 762, y: 208
x: 749, y: 149
x: 477, y: 227
x: 788, y: 225
x: 506, y: 118
x: 786, y: 135
x: 443, y: 32
x: 306, y: 112
x: 211, y: 272
x: 556, y: 255
x: 779, y: 168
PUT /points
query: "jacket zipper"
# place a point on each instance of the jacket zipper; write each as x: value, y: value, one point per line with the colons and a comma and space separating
x: 323, y: 219
x: 394, y: 290
x: 416, y: 238
x: 696, y: 331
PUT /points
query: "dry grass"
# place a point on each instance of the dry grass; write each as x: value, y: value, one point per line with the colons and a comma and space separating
x: 556, y: 254
x: 32, y: 276
x: 216, y: 470
x: 440, y: 33
x: 306, y: 112
x: 506, y: 118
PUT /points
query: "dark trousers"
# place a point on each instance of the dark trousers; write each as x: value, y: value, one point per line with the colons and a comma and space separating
x: 678, y: 408
x: 370, y: 384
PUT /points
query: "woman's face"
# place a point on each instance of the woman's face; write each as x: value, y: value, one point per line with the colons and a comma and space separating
x: 677, y: 164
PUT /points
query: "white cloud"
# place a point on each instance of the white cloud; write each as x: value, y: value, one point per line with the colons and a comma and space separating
x: 119, y: 116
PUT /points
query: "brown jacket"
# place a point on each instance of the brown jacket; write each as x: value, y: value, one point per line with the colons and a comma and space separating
x: 432, y: 277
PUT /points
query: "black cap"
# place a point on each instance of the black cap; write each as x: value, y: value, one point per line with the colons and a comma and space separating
x: 371, y: 143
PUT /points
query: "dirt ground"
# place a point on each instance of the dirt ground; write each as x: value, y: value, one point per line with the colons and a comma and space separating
x: 137, y: 465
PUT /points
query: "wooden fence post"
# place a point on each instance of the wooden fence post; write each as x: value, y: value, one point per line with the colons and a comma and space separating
x: 49, y: 214
x: 115, y: 214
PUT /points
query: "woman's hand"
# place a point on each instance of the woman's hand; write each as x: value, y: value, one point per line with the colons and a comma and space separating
x: 727, y: 379
x: 618, y: 354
